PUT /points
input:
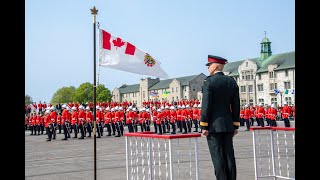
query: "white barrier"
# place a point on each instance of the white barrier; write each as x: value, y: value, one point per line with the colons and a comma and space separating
x: 274, y: 152
x: 152, y: 156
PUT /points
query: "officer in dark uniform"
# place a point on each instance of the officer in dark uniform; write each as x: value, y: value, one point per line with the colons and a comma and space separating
x: 220, y: 117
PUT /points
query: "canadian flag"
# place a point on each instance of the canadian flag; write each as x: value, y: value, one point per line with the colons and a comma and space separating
x: 118, y: 54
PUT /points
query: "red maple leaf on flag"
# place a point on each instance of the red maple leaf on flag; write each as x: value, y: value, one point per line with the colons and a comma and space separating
x: 118, y: 42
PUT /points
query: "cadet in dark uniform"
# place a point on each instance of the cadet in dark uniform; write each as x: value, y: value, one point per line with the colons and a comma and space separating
x: 220, y: 117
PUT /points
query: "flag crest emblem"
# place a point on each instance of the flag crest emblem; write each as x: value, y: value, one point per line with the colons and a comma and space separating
x: 149, y: 61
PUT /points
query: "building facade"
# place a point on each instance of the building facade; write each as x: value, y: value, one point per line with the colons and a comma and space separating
x: 170, y: 90
x: 267, y: 79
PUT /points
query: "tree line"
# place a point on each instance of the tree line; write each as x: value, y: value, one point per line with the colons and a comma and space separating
x: 82, y: 94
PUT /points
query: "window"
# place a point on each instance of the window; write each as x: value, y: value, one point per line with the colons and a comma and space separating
x: 271, y: 75
x: 260, y: 87
x: 243, y: 88
x: 143, y: 94
x: 286, y: 73
x: 287, y: 85
x: 288, y: 100
x: 273, y: 86
x: 177, y: 98
x: 185, y: 97
x: 185, y: 88
x: 274, y: 101
x: 247, y: 75
x: 176, y: 89
x: 193, y: 88
x: 246, y: 64
x: 172, y: 89
x: 132, y: 94
x: 251, y: 102
x: 172, y: 98
x: 250, y: 87
x: 259, y: 76
x: 261, y: 101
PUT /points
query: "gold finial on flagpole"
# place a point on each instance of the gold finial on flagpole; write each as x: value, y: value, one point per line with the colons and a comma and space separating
x: 94, y: 12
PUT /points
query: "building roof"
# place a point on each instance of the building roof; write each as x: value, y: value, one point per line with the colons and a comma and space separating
x: 129, y: 88
x: 284, y: 61
x: 164, y: 84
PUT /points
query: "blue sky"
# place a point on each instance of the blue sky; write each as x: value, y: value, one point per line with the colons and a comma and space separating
x: 180, y: 34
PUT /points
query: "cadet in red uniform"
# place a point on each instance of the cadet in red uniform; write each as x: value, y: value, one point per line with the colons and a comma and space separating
x: 89, y: 118
x: 154, y: 118
x: 252, y: 115
x: 107, y: 120
x: 184, y: 118
x: 195, y: 114
x: 273, y: 116
x: 117, y: 121
x: 285, y: 114
x: 166, y: 114
x: 179, y: 118
x: 98, y: 121
x: 159, y: 120
x: 81, y: 121
x: 121, y: 120
x: 260, y: 113
x: 141, y: 119
x: 53, y: 115
x: 59, y: 122
x: 64, y: 122
x: 129, y: 117
x: 33, y: 123
x: 246, y: 117
x: 38, y: 121
x: 173, y: 118
x: 135, y: 120
x: 147, y: 119
x: 47, y: 124
x: 189, y: 117
x: 74, y: 121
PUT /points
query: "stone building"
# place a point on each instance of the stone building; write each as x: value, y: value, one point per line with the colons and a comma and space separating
x: 150, y: 89
x: 266, y: 79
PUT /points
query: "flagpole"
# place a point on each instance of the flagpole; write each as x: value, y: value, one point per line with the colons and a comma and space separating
x: 94, y: 12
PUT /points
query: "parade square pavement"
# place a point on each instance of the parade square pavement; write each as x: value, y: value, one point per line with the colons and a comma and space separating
x: 74, y: 159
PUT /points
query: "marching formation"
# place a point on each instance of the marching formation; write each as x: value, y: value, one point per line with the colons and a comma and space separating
x: 75, y: 120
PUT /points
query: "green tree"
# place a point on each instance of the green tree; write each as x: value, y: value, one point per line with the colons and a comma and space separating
x: 27, y: 100
x: 103, y: 93
x: 84, y: 93
x: 63, y: 95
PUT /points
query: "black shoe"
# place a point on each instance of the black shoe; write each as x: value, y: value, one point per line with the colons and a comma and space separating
x: 195, y: 131
x: 109, y: 135
x: 117, y: 136
x: 99, y: 137
x: 81, y: 138
x: 173, y: 133
x: 31, y: 134
x: 74, y: 137
x: 64, y: 139
x: 247, y: 130
x: 159, y: 133
x: 59, y: 133
x: 48, y: 139
x: 184, y: 133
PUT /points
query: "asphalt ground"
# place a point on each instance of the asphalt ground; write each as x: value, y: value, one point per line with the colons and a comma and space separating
x: 74, y: 159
